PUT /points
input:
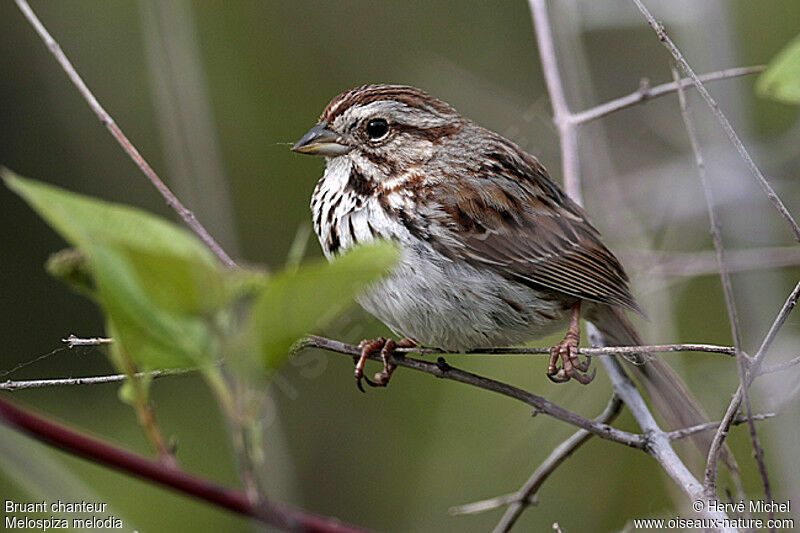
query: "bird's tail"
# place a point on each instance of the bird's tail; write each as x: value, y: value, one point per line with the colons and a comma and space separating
x: 665, y: 388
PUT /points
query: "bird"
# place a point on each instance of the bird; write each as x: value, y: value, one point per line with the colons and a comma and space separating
x: 493, y: 252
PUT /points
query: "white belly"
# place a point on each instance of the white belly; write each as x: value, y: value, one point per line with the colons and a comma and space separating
x: 459, y: 308
x: 429, y: 298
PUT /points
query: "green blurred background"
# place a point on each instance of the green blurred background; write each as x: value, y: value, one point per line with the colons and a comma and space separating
x: 214, y: 93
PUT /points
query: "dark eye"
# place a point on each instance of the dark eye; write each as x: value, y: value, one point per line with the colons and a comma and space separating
x: 377, y: 128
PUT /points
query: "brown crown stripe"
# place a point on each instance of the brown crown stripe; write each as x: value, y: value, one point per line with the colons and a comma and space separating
x: 366, y: 94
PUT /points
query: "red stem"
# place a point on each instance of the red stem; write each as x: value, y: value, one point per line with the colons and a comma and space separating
x: 275, y: 514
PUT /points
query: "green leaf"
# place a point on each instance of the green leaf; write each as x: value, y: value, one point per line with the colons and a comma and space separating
x: 85, y: 221
x: 152, y: 336
x: 294, y: 303
x: 781, y: 80
x: 158, y: 285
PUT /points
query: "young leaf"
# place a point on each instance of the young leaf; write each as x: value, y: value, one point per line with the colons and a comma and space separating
x: 295, y: 303
x: 157, y: 283
x: 781, y: 80
x: 152, y: 336
x: 82, y: 221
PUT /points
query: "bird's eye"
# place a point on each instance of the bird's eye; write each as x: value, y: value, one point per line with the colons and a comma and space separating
x: 377, y: 128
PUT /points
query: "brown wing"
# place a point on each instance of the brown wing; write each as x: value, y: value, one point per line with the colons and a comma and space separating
x: 510, y: 217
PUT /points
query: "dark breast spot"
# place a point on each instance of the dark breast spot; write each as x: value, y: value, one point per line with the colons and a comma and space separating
x: 332, y: 209
x: 333, y: 243
x: 358, y: 183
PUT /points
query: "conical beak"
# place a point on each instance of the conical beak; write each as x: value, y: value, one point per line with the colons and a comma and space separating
x: 321, y: 141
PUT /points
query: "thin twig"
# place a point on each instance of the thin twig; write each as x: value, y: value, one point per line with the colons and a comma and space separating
x: 699, y: 428
x: 659, y: 445
x: 653, y: 441
x: 742, y: 359
x: 594, y: 350
x: 779, y: 367
x: 72, y: 341
x: 527, y: 494
x: 275, y: 514
x: 704, y: 262
x: 570, y: 157
x: 558, y: 456
x: 441, y: 369
x: 645, y: 93
x: 108, y: 122
x: 710, y: 476
x: 716, y: 234
x: 10, y: 385
x: 721, y: 118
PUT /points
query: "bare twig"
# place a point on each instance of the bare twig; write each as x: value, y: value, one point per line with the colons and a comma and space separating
x: 779, y: 367
x: 594, y: 350
x: 570, y: 157
x: 108, y: 122
x: 527, y: 494
x: 741, y: 358
x: 645, y: 93
x: 704, y: 262
x: 721, y: 118
x: 716, y: 234
x: 558, y: 456
x: 688, y: 432
x: 722, y: 432
x: 441, y: 369
x: 654, y: 441
x: 659, y: 444
x: 72, y: 341
x: 275, y: 514
x: 10, y: 385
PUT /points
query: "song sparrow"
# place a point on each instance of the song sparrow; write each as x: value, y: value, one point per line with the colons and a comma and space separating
x: 493, y: 252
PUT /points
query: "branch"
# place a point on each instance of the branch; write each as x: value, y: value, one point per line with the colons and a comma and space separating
x: 188, y: 217
x: 722, y: 432
x: 779, y: 367
x: 10, y: 385
x: 659, y: 444
x: 441, y: 369
x: 526, y: 495
x: 72, y: 341
x: 721, y: 118
x: 274, y: 514
x: 645, y: 93
x: 704, y: 262
x: 699, y: 428
x: 570, y: 157
x: 653, y: 441
x: 716, y: 234
x: 741, y: 358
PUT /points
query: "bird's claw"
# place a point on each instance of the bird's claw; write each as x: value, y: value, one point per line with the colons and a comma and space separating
x: 571, y: 365
x: 387, y: 347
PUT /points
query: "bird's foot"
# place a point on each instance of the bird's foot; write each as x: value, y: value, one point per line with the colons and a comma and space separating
x: 387, y: 348
x: 571, y: 365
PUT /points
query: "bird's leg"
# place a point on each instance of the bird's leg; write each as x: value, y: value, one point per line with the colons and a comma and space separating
x: 567, y: 351
x: 387, y: 347
x: 382, y: 377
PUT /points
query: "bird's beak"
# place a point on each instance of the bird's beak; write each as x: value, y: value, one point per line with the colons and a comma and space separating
x: 321, y: 141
